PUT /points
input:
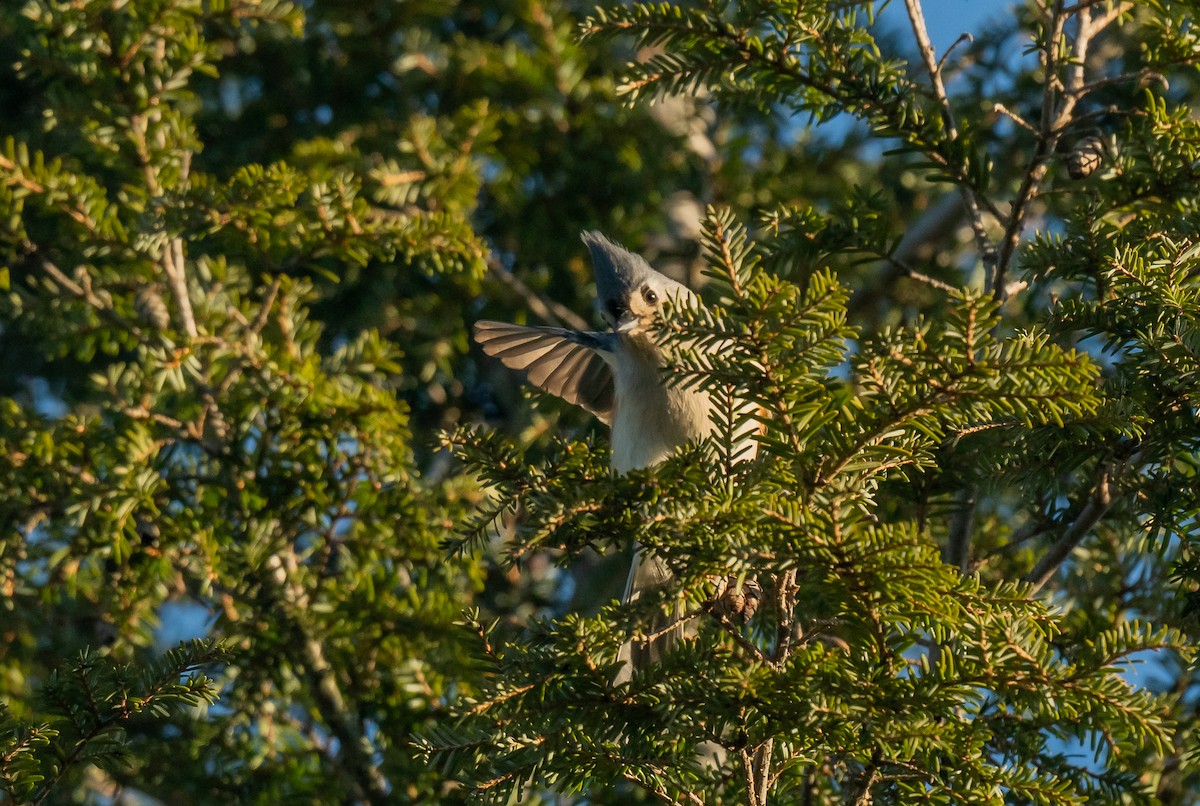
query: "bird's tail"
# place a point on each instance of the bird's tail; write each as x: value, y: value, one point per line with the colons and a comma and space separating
x: 649, y: 575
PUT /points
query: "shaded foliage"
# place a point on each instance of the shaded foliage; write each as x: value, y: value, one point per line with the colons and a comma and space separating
x: 242, y: 242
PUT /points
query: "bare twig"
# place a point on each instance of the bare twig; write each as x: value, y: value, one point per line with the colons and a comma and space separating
x: 1142, y: 77
x: 963, y: 37
x: 174, y: 268
x: 1080, y: 6
x: 83, y: 292
x: 1046, y: 140
x: 785, y: 606
x: 916, y: 17
x: 939, y: 217
x: 735, y: 633
x: 1014, y: 117
x: 920, y: 277
x: 264, y: 312
x: 1059, y: 101
x: 1110, y: 16
x: 60, y: 277
x: 174, y: 265
x: 759, y: 778
x: 756, y: 766
x: 663, y: 796
x: 860, y: 795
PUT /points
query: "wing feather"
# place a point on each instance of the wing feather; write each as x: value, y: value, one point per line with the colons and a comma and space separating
x: 565, y: 363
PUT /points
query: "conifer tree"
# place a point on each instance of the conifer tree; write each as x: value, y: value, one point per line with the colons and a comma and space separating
x: 242, y: 244
x: 205, y: 449
x: 926, y: 489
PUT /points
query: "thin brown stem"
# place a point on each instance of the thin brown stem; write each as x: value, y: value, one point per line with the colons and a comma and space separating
x: 81, y: 291
x: 1015, y: 118
x: 760, y: 773
x: 1093, y: 510
x: 356, y: 761
x: 1059, y: 100
x: 920, y: 277
x: 176, y: 268
x: 785, y: 606
x: 860, y: 795
x: 916, y: 17
x: 732, y: 630
x: 546, y: 309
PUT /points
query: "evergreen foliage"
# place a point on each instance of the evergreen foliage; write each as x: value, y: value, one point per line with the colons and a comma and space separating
x: 94, y: 700
x: 875, y: 662
x: 271, y: 533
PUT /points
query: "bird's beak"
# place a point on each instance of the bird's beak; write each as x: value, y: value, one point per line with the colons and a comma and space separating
x: 628, y: 323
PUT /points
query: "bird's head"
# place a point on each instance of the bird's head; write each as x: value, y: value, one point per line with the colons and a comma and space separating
x: 629, y: 293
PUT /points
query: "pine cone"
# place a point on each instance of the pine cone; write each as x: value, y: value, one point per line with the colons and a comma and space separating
x: 1086, y: 157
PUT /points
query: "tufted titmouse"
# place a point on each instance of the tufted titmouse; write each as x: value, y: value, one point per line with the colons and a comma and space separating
x: 617, y: 376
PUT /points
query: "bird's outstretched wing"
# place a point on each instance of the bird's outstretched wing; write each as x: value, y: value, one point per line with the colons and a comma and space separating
x: 566, y: 363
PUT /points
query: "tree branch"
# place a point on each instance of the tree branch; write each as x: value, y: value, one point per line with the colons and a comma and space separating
x: 918, y: 276
x: 1058, y: 107
x: 933, y: 66
x: 860, y: 795
x: 759, y: 769
x: 785, y: 606
x: 363, y: 772
x: 175, y: 267
x: 81, y: 291
x: 547, y: 310
x: 735, y: 633
x: 962, y: 526
x: 1097, y: 505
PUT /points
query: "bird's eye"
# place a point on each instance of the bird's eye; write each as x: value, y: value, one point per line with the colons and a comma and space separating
x: 650, y: 297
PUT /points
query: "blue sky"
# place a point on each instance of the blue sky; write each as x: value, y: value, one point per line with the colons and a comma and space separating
x: 948, y: 19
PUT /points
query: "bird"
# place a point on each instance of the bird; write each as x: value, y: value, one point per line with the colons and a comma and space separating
x: 618, y: 376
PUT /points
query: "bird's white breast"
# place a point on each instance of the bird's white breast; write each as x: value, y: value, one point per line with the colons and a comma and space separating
x: 650, y: 419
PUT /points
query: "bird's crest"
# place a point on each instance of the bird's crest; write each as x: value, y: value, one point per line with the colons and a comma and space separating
x: 617, y: 269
